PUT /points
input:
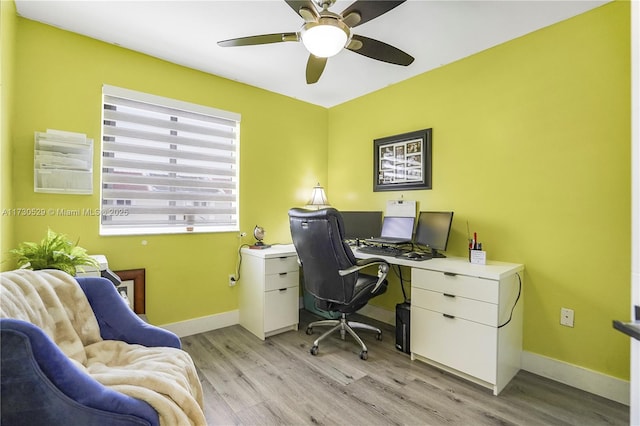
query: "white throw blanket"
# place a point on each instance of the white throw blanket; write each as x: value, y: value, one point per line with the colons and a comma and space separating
x: 54, y: 301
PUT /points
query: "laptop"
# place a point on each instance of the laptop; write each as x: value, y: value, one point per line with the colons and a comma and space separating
x: 395, y: 230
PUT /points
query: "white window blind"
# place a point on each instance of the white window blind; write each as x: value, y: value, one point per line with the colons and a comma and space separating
x: 167, y: 166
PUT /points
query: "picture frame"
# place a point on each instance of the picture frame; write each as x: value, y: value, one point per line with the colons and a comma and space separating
x: 133, y: 283
x: 402, y: 162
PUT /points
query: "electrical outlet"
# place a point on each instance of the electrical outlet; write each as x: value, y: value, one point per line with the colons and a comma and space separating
x: 232, y: 280
x: 566, y: 317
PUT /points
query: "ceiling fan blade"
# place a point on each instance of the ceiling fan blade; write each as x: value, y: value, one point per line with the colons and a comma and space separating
x: 369, y: 10
x: 378, y: 50
x: 259, y: 39
x: 315, y: 67
x: 297, y: 5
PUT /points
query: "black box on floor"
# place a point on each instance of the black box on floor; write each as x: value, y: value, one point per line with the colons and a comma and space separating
x: 403, y: 322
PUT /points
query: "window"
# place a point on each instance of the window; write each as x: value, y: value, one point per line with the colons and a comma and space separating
x: 167, y: 166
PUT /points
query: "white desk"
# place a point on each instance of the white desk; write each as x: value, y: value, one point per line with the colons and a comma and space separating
x: 464, y: 317
x: 268, y: 290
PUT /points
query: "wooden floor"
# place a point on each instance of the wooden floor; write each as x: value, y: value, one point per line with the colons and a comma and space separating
x: 278, y: 382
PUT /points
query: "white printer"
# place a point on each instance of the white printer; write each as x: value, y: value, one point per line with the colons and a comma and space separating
x: 104, y: 272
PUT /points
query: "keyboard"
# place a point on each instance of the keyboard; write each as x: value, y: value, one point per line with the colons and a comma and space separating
x: 381, y: 251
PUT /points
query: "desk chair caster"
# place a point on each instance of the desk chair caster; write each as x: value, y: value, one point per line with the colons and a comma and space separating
x: 363, y: 354
x: 344, y: 327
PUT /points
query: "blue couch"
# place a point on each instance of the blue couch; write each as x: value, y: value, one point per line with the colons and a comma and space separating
x: 42, y: 386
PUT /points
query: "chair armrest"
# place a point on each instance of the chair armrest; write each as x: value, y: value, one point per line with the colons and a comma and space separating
x: 383, y: 269
x: 117, y: 321
x: 41, y: 385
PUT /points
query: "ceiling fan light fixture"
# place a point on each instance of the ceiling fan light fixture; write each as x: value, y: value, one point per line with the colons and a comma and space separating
x: 325, y: 38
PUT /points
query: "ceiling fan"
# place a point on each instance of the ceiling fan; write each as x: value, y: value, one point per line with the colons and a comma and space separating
x: 325, y: 33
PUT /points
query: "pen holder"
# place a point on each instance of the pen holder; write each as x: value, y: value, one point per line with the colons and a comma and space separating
x: 478, y: 257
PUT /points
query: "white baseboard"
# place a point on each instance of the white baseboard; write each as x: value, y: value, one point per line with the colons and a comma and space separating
x: 578, y: 377
x: 203, y: 324
x: 380, y: 314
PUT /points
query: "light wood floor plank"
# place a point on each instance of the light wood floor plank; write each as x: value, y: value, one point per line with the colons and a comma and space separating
x: 247, y: 381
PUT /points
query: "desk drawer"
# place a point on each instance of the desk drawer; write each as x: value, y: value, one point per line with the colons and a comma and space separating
x: 459, y: 307
x: 458, y: 285
x: 280, y: 308
x: 457, y: 343
x: 276, y: 265
x: 281, y: 280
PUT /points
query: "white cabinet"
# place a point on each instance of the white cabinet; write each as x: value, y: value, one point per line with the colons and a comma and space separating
x: 269, y: 290
x: 63, y: 163
x: 467, y: 319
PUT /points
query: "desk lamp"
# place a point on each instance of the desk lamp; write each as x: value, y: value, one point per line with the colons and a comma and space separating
x: 318, y: 199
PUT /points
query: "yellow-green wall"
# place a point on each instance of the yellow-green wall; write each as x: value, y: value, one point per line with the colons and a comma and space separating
x: 282, y: 156
x: 7, y: 50
x: 531, y: 147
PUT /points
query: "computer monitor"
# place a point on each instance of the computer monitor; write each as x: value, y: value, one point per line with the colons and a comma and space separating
x: 433, y: 231
x: 360, y: 225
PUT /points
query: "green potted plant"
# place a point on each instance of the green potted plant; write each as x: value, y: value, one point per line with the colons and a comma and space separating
x: 55, y: 251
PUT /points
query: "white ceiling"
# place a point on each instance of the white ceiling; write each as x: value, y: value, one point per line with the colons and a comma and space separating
x: 185, y: 32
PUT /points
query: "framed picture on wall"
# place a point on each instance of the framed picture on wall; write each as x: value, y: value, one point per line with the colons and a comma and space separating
x: 133, y: 287
x: 402, y: 162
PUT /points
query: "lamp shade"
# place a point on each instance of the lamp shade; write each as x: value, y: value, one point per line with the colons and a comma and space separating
x: 318, y: 198
x: 325, y: 38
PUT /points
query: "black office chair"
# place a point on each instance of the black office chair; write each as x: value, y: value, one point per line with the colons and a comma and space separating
x: 331, y: 272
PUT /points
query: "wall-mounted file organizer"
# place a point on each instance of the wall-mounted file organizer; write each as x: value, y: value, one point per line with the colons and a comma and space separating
x: 63, y: 163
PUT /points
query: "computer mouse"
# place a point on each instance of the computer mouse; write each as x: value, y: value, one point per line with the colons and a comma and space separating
x: 413, y: 255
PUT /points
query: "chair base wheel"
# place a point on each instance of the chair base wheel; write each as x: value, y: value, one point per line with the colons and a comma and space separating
x: 344, y: 327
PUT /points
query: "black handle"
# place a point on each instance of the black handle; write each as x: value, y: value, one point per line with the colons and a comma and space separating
x: 450, y: 274
x: 283, y: 273
x: 282, y: 289
x: 448, y: 295
x: 630, y: 328
x: 448, y: 316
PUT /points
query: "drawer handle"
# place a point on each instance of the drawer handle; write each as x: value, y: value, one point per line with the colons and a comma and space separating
x: 282, y: 257
x: 448, y: 316
x: 448, y: 295
x: 450, y: 274
x: 282, y: 289
x: 283, y: 273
